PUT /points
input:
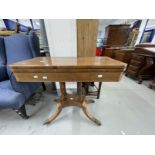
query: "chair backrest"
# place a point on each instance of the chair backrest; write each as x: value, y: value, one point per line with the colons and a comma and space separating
x: 3, y: 72
x: 21, y: 47
x: 17, y: 48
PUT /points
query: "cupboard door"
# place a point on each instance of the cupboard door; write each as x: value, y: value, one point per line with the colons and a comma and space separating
x: 87, y: 30
x: 117, y: 35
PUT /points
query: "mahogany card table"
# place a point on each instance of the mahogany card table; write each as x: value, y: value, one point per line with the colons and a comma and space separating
x: 88, y: 69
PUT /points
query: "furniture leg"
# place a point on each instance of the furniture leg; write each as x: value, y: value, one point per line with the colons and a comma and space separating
x: 72, y: 100
x: 150, y: 86
x: 85, y: 110
x: 54, y: 116
x: 126, y: 74
x: 63, y: 90
x: 54, y: 89
x: 84, y: 105
x: 22, y: 112
x: 85, y: 86
x: 99, y: 90
x: 80, y: 90
x: 43, y: 85
x: 59, y: 104
x: 140, y: 80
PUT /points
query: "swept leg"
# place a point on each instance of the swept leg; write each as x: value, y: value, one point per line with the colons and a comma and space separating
x: 54, y: 116
x: 43, y: 85
x: 85, y: 110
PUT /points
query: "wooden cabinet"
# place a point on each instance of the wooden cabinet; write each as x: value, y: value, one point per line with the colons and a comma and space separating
x: 117, y: 35
x: 87, y: 30
x: 121, y: 54
x: 135, y: 65
x: 142, y: 64
x: 124, y: 55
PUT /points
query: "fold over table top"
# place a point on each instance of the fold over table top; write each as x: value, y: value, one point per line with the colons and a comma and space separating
x: 69, y: 62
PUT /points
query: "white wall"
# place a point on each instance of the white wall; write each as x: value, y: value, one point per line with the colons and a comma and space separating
x: 62, y: 37
x: 62, y: 40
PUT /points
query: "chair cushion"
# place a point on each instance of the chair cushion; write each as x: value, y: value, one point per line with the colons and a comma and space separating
x: 10, y: 98
x: 17, y: 48
x: 6, y: 84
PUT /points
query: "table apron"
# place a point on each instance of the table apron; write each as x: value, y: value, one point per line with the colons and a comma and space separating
x: 68, y: 77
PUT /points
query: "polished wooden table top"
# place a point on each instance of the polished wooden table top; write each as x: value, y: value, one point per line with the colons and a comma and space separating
x: 49, y: 69
x: 71, y: 62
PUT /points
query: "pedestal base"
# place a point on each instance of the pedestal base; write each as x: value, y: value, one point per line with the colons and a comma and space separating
x: 72, y: 100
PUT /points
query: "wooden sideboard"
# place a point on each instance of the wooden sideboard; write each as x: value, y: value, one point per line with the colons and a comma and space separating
x: 142, y: 63
x: 123, y: 54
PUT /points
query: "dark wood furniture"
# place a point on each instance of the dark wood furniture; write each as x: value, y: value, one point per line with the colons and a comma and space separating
x: 151, y: 67
x: 117, y: 35
x: 97, y: 89
x: 136, y: 64
x: 152, y: 84
x: 123, y: 54
x: 142, y: 63
x: 79, y: 70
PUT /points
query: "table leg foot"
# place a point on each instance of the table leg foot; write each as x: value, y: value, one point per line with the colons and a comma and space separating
x: 54, y: 116
x: 85, y: 110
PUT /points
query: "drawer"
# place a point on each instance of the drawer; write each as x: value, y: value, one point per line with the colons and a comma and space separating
x: 135, y: 62
x: 134, y: 68
x: 138, y: 57
x: 119, y: 56
x: 131, y: 72
x: 68, y: 77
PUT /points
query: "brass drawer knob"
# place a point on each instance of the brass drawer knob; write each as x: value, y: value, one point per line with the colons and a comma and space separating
x: 35, y: 76
x: 99, y: 76
x: 44, y: 77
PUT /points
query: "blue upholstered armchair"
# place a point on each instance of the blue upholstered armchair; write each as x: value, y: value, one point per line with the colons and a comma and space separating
x: 13, y: 94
